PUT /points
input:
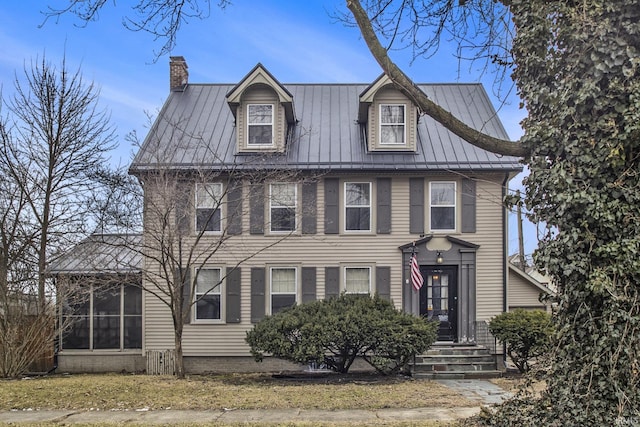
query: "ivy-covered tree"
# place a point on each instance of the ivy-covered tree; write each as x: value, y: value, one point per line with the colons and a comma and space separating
x: 576, y: 66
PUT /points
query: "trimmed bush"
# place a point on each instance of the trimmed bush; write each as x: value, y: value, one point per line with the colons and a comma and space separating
x: 335, y: 331
x: 526, y: 333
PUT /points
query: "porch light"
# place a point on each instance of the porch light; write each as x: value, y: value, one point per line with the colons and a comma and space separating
x: 439, y: 259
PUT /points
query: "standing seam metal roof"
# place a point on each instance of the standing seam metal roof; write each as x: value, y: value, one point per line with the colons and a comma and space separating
x: 101, y: 254
x: 196, y: 129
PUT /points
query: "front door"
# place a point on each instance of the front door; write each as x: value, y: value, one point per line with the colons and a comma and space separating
x: 439, y: 299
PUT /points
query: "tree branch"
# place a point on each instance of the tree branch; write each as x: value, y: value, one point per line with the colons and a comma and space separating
x: 424, y: 104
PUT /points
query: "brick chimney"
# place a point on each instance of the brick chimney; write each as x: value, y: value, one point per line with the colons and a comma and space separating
x: 178, y: 73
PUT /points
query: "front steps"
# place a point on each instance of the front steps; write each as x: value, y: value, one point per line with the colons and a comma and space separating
x: 456, y: 361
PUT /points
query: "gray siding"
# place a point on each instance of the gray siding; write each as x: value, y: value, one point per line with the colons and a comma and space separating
x: 321, y: 257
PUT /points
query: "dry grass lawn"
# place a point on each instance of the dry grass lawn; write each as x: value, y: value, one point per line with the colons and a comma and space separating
x: 240, y: 391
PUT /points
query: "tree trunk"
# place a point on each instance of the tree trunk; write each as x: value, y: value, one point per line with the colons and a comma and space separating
x: 179, y: 360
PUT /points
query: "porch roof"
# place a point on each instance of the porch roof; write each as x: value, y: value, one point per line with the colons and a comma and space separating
x: 101, y: 254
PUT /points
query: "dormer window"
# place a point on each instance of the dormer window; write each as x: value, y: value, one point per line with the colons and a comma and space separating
x: 388, y: 117
x: 264, y: 113
x: 392, y: 124
x: 259, y: 124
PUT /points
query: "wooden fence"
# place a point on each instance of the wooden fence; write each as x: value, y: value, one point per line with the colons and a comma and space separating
x: 160, y: 362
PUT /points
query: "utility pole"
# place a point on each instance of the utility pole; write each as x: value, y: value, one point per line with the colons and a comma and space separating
x: 523, y: 264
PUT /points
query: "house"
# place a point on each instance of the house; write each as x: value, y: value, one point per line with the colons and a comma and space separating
x: 285, y: 193
x: 526, y: 287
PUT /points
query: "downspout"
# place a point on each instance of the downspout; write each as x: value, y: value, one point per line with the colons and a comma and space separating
x: 505, y: 267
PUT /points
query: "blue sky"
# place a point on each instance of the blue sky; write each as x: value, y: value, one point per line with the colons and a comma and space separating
x: 299, y: 43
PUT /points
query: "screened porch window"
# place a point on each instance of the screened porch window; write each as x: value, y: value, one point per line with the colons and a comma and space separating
x: 105, y: 317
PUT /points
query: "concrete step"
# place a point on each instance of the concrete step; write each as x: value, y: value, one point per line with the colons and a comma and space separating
x: 467, y: 367
x: 452, y: 375
x: 457, y: 350
x: 454, y: 358
x: 451, y: 360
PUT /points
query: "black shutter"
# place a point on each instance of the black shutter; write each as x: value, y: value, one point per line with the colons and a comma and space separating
x: 258, y: 299
x: 383, y: 282
x: 416, y: 205
x: 233, y: 295
x: 184, y: 199
x: 256, y: 209
x: 331, y: 206
x: 309, y: 207
x: 234, y: 207
x: 468, y: 206
x: 332, y: 282
x: 308, y: 284
x: 383, y: 221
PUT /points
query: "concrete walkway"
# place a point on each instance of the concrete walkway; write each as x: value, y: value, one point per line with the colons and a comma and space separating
x: 482, y: 391
x: 237, y: 416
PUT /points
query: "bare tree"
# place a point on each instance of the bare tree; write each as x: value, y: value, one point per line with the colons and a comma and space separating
x: 57, y: 137
x: 51, y: 140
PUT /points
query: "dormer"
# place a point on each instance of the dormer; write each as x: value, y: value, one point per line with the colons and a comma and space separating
x: 391, y: 119
x: 263, y: 109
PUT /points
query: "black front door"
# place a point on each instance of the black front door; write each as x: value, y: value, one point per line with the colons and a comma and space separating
x: 439, y: 299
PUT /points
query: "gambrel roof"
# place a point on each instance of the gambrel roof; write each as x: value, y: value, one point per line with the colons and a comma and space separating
x: 196, y: 129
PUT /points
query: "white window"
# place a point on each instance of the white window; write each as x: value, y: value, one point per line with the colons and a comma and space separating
x: 357, y: 280
x: 357, y: 201
x: 392, y: 124
x: 283, y: 288
x: 283, y: 199
x: 208, y: 295
x: 443, y: 206
x: 259, y: 124
x: 208, y: 202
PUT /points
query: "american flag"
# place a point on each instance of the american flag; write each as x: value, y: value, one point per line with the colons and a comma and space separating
x: 416, y: 277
